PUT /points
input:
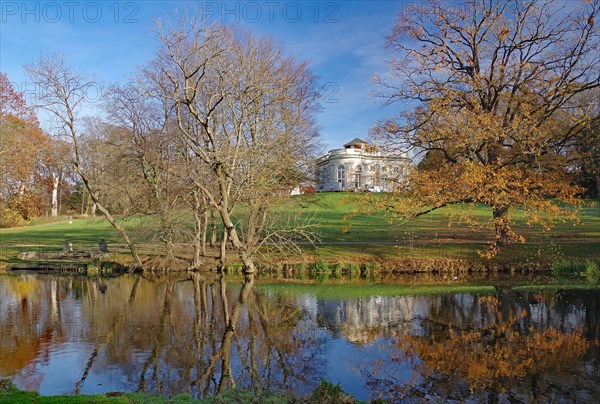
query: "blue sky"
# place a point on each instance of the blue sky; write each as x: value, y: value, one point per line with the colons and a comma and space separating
x: 342, y: 40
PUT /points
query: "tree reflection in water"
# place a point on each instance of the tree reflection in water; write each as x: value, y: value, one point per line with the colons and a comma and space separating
x: 239, y: 338
x: 202, y: 333
x: 492, y: 350
x: 193, y: 333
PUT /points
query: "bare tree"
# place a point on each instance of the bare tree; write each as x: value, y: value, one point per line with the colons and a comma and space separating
x: 63, y: 93
x: 244, y: 109
x: 103, y: 152
x: 149, y: 128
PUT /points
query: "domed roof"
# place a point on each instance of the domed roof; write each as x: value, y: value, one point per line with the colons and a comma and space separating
x: 355, y: 141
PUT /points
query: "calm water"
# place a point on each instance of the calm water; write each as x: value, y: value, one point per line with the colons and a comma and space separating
x: 63, y: 334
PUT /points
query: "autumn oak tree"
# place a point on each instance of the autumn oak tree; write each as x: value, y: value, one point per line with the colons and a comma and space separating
x: 491, y: 94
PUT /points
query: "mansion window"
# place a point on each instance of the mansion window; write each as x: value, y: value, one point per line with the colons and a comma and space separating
x: 341, y: 176
x: 358, y: 177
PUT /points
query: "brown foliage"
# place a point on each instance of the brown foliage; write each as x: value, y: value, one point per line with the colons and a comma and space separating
x: 12, y: 103
x: 496, y: 354
x: 500, y: 101
x: 23, y: 151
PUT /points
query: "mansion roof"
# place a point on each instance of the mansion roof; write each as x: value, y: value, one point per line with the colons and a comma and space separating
x: 355, y: 141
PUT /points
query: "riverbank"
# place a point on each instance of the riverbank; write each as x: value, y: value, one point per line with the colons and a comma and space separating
x: 353, y: 260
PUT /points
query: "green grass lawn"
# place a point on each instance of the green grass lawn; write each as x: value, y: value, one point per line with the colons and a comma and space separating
x: 10, y: 394
x: 331, y: 208
x: 84, y: 231
x: 433, y: 235
x: 363, y: 236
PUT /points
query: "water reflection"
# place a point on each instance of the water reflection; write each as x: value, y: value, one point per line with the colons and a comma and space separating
x: 509, y: 356
x: 201, y: 334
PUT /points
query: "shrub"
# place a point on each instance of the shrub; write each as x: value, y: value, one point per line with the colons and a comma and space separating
x: 353, y: 268
x: 588, y: 269
x: 336, y: 270
x: 235, y: 268
x: 566, y: 268
x: 592, y: 271
x: 320, y: 267
x: 299, y: 269
x: 11, y: 218
x: 373, y: 267
x: 93, y: 268
x: 330, y: 393
x: 28, y: 205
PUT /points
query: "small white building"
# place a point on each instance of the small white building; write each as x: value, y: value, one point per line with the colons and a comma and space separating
x: 360, y: 166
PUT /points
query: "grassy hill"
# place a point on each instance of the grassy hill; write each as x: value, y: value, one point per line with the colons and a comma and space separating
x: 434, y: 234
x: 363, y: 236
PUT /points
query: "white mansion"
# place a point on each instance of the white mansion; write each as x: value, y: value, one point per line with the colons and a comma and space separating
x: 360, y: 166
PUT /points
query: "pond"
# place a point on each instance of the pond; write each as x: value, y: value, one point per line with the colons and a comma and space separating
x: 199, y: 334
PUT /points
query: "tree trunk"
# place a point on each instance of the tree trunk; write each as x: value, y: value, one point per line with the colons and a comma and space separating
x: 213, y: 228
x: 55, y: 182
x: 223, y: 252
x: 229, y: 228
x: 197, y: 238
x: 200, y: 226
x: 232, y: 234
x: 500, y: 213
x: 167, y: 233
x: 203, y: 232
x: 197, y: 243
x: 59, y: 194
x: 83, y: 200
